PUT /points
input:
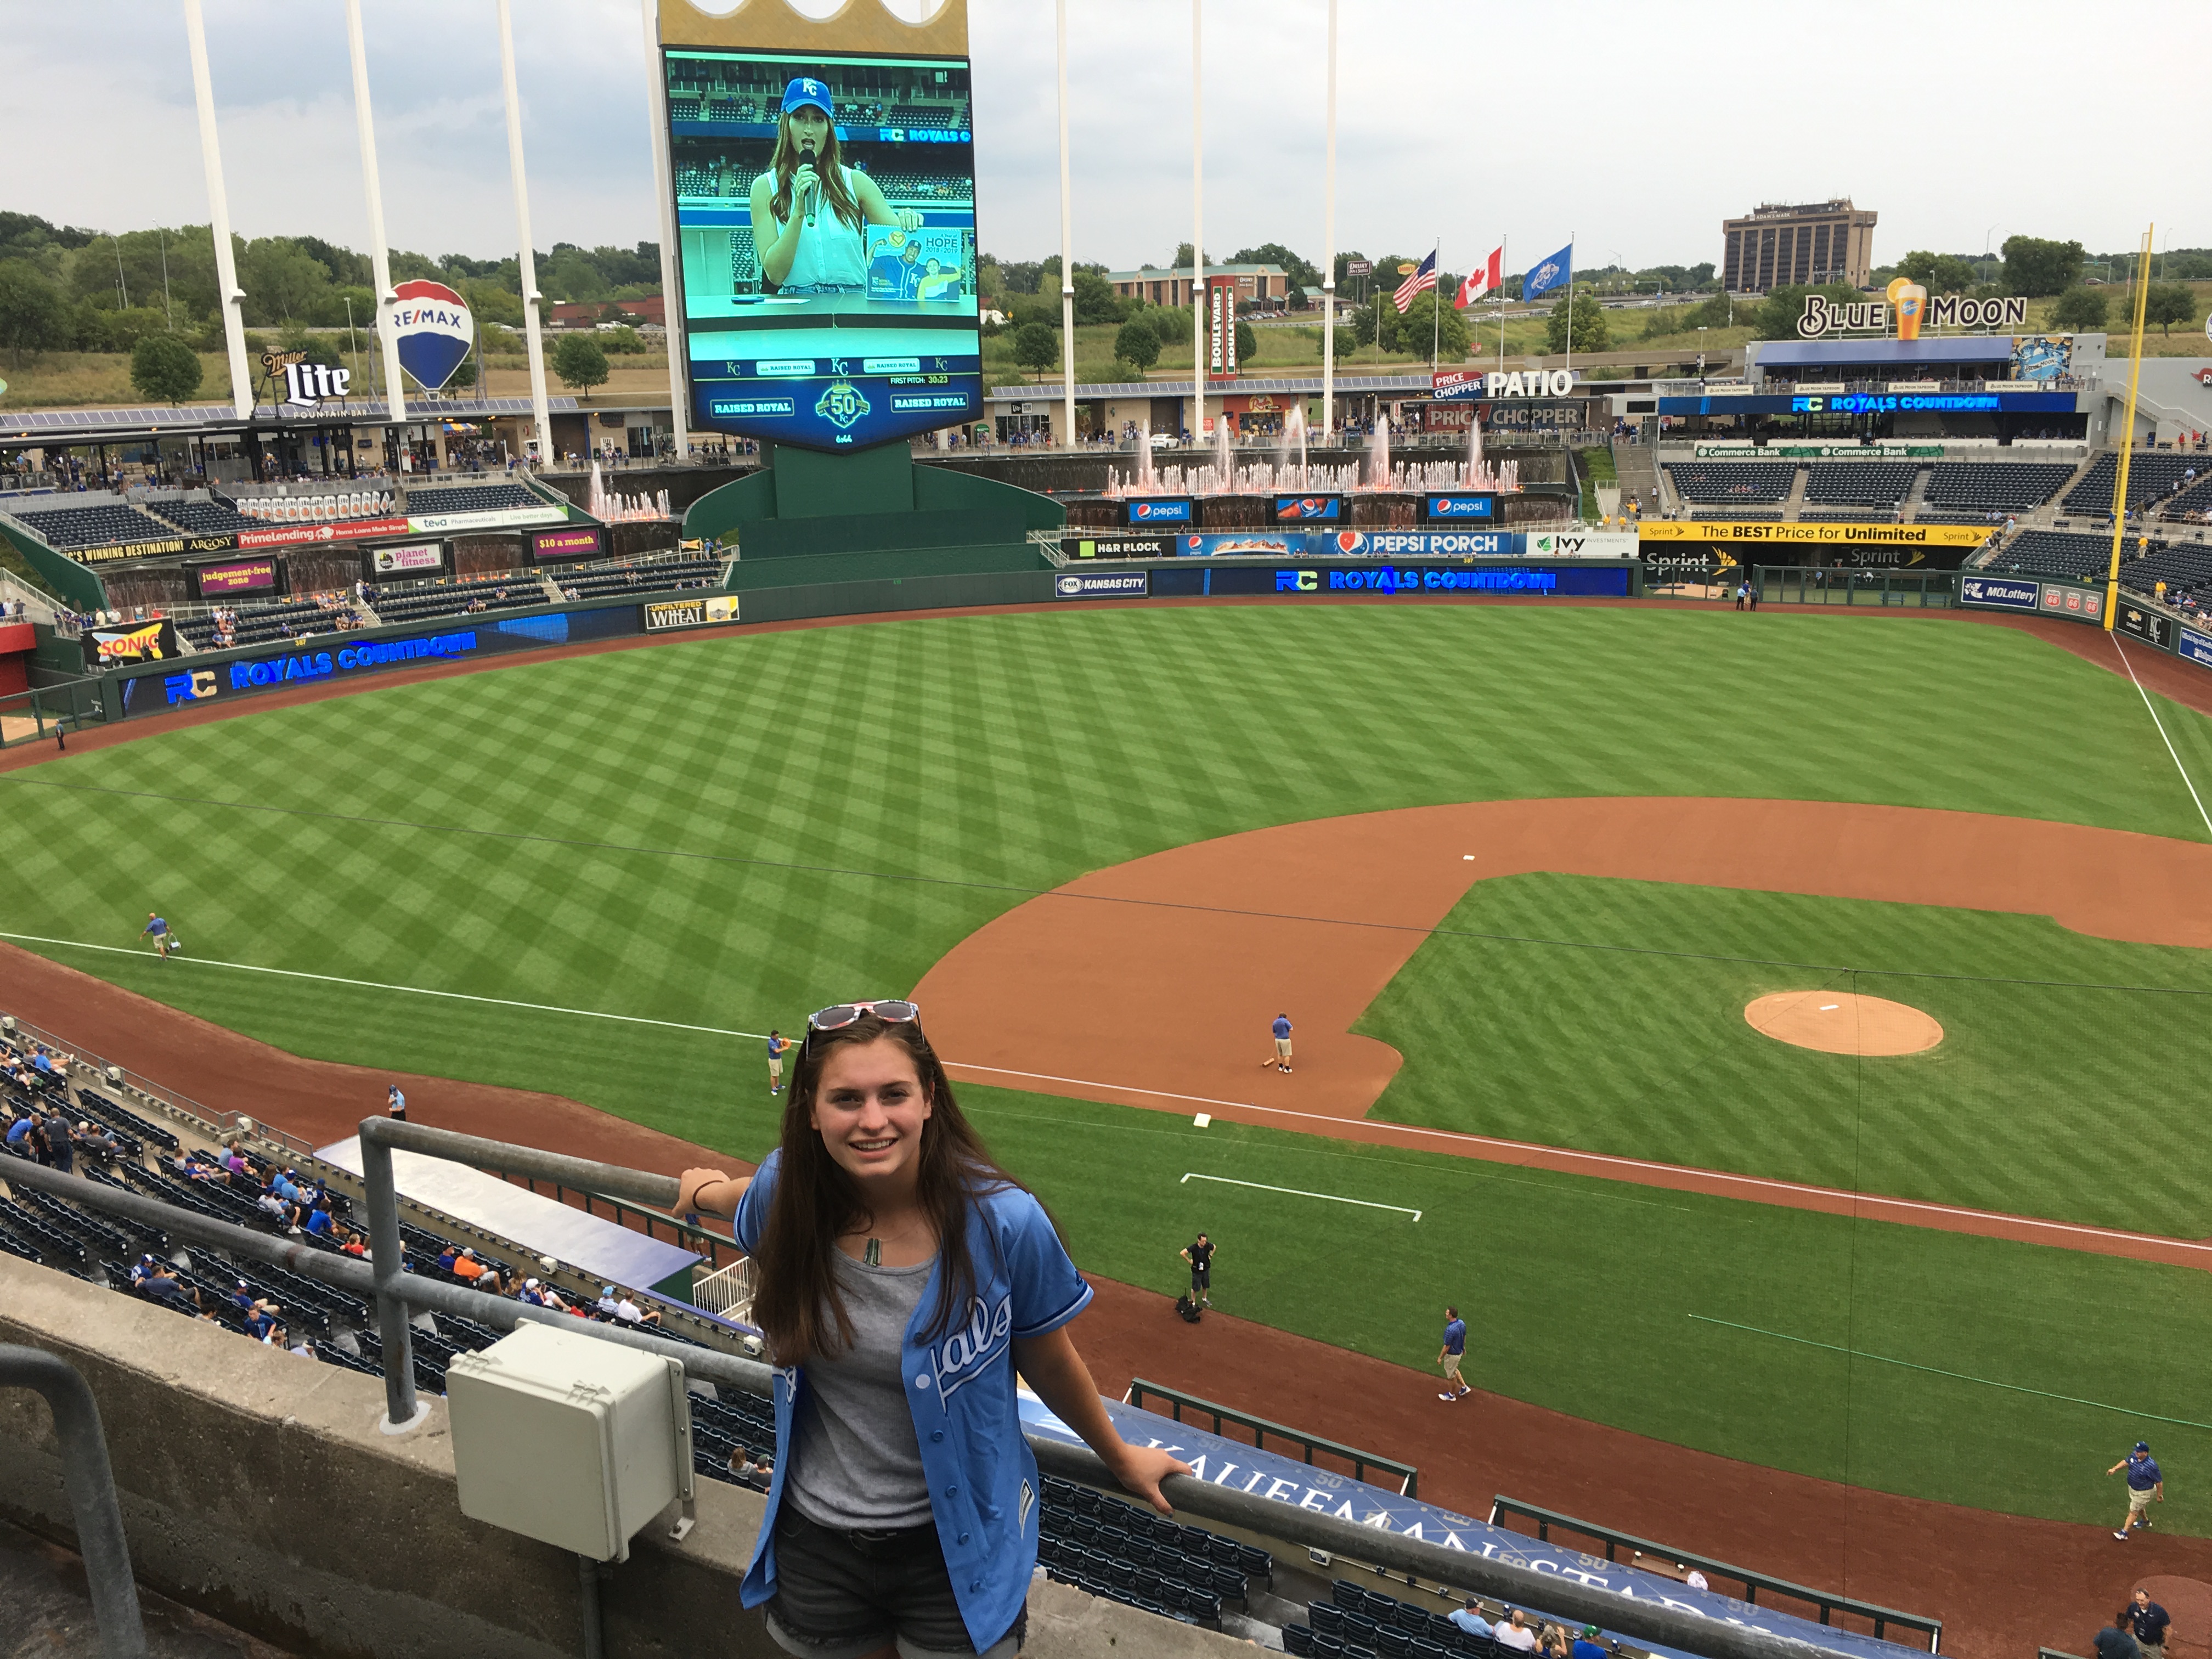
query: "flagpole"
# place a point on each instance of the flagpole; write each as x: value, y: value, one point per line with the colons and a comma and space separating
x: 1197, y: 233
x: 1436, y: 307
x: 1570, y: 305
x: 1501, y: 261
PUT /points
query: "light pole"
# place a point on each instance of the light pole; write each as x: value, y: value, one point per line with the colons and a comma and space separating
x: 1702, y: 329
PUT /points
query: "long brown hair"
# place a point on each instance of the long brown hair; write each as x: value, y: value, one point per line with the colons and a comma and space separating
x: 828, y: 165
x: 796, y: 1296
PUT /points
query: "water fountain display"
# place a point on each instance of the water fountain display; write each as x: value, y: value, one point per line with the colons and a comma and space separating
x: 610, y: 508
x: 1289, y: 473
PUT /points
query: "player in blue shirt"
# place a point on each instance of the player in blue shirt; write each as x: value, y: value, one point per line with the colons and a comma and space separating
x: 2145, y: 1483
x: 1280, y: 1060
x: 777, y: 1042
x: 901, y: 1280
x: 158, y: 930
x: 1449, y: 1355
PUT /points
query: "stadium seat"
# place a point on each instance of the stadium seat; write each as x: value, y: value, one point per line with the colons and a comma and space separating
x: 472, y: 498
x: 1978, y: 488
x: 2151, y: 478
x: 1733, y: 482
x: 1297, y: 1638
x: 1871, y: 483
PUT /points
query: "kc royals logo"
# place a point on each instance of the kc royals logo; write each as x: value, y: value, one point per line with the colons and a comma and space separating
x: 436, y: 332
x: 1546, y: 274
x: 841, y: 404
x: 962, y: 1355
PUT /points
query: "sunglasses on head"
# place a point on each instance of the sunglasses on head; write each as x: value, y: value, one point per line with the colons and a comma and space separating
x: 837, y: 1018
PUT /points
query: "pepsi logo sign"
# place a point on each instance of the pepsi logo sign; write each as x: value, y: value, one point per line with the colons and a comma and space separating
x: 436, y: 332
x: 1351, y: 541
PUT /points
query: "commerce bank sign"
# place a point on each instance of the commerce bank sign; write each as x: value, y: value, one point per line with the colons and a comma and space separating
x: 1822, y: 316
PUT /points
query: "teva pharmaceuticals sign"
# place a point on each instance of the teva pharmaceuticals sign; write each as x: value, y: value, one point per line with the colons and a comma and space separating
x: 1913, y: 307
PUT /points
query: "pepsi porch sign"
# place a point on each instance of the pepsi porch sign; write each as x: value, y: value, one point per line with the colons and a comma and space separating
x: 1460, y: 508
x: 1155, y: 510
x: 436, y: 332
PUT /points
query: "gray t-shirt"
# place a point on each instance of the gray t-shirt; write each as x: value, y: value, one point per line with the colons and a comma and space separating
x: 855, y: 1464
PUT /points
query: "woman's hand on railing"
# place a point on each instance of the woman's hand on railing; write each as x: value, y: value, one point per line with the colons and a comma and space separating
x: 693, y: 1186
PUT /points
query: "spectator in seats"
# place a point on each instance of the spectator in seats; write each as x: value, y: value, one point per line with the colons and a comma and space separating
x: 162, y: 1285
x: 96, y: 1143
x: 319, y: 1221
x: 19, y: 1133
x: 141, y: 1270
x: 608, y: 1302
x: 271, y: 1203
x: 630, y: 1313
x: 61, y: 1150
x: 879, y: 1189
x: 1589, y: 1645
x: 234, y: 1160
x: 1515, y: 1633
x: 1468, y: 1617
x: 446, y: 1257
x: 1551, y: 1641
x: 351, y: 1243
x: 466, y: 1266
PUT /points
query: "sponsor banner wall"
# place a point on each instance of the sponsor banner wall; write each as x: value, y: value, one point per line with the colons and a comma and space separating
x: 1308, y: 509
x: 2194, y: 647
x: 1896, y: 546
x: 214, y: 582
x: 131, y: 642
x: 706, y: 609
x: 1156, y: 510
x: 343, y: 656
x: 2149, y: 626
x: 1286, y: 1480
x: 1999, y: 592
x: 1738, y: 452
x: 1455, y: 507
x: 1102, y: 585
x: 413, y: 558
x: 1206, y: 579
x: 167, y: 548
x: 1581, y: 544
x: 498, y: 518
x: 1087, y: 546
x: 576, y: 540
x: 221, y: 544
x: 2073, y: 602
x: 351, y: 530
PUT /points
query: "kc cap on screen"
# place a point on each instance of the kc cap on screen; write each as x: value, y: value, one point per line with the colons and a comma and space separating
x: 804, y: 91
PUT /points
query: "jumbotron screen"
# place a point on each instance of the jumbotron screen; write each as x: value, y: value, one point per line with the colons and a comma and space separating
x: 825, y: 212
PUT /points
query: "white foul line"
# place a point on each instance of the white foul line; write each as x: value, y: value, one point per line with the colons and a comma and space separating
x: 380, y: 985
x: 1605, y: 1160
x: 1609, y: 1160
x: 2162, y: 737
x: 1298, y: 1192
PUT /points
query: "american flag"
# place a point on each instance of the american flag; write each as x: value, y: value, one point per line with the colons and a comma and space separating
x: 1425, y: 275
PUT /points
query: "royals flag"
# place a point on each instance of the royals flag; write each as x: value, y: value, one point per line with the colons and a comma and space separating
x: 1484, y: 279
x: 1424, y: 277
x: 1547, y: 274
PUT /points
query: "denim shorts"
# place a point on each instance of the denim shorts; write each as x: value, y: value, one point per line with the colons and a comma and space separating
x: 842, y: 1595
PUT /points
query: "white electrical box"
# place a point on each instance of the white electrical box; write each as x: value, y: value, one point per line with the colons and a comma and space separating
x: 568, y: 1439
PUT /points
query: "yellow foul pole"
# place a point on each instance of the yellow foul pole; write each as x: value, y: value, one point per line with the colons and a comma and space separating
x: 2128, y: 435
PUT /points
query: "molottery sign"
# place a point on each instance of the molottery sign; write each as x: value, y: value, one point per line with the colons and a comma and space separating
x: 1999, y: 592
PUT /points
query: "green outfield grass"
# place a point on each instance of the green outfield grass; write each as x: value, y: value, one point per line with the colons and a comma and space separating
x: 728, y: 832
x: 1623, y: 1031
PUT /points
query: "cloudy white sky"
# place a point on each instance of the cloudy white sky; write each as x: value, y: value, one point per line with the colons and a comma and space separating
x: 1637, y: 127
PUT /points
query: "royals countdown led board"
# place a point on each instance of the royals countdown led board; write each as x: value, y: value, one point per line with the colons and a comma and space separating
x: 841, y: 314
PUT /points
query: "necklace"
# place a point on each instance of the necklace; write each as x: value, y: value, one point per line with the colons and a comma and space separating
x: 873, y: 1256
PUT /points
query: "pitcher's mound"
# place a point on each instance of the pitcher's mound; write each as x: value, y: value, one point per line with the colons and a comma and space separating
x: 1843, y: 1023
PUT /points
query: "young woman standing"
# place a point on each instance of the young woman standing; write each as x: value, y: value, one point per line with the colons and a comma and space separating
x: 901, y: 1280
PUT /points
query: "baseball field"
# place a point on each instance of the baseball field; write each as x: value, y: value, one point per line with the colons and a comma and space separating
x: 602, y: 876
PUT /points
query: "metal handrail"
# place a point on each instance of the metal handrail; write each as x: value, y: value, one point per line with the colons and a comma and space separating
x: 89, y: 1480
x: 1409, y: 1477
x: 1752, y: 1583
x: 1416, y: 1558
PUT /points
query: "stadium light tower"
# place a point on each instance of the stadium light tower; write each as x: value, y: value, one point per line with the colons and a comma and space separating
x: 379, y: 252
x: 1197, y: 229
x: 230, y: 295
x: 1067, y: 245
x: 672, y: 304
x: 533, y: 334
x: 1328, y: 251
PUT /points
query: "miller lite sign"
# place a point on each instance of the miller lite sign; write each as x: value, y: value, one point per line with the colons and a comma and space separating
x: 305, y: 382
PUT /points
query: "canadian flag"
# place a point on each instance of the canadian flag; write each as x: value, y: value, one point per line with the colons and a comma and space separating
x: 1486, y: 277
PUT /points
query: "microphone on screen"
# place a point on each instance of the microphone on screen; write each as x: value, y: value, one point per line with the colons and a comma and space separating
x: 813, y: 190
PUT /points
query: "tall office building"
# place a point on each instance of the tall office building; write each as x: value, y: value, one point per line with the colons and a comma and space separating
x: 1800, y: 242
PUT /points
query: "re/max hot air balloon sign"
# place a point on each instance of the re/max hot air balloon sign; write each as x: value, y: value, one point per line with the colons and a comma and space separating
x: 436, y: 332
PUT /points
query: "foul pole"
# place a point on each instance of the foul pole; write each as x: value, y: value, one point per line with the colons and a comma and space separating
x: 2128, y: 433
x: 226, y: 264
x: 672, y: 288
x: 1328, y: 251
x: 532, y: 331
x: 379, y: 251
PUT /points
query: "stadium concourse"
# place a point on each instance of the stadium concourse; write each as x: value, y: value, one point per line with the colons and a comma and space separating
x: 2003, y: 1582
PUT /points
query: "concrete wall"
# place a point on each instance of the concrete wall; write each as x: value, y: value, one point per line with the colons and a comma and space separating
x: 257, y: 1487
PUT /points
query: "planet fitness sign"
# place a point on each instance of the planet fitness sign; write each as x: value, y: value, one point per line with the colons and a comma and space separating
x: 436, y: 332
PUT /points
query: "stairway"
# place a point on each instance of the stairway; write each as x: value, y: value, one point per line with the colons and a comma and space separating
x: 1638, y: 474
